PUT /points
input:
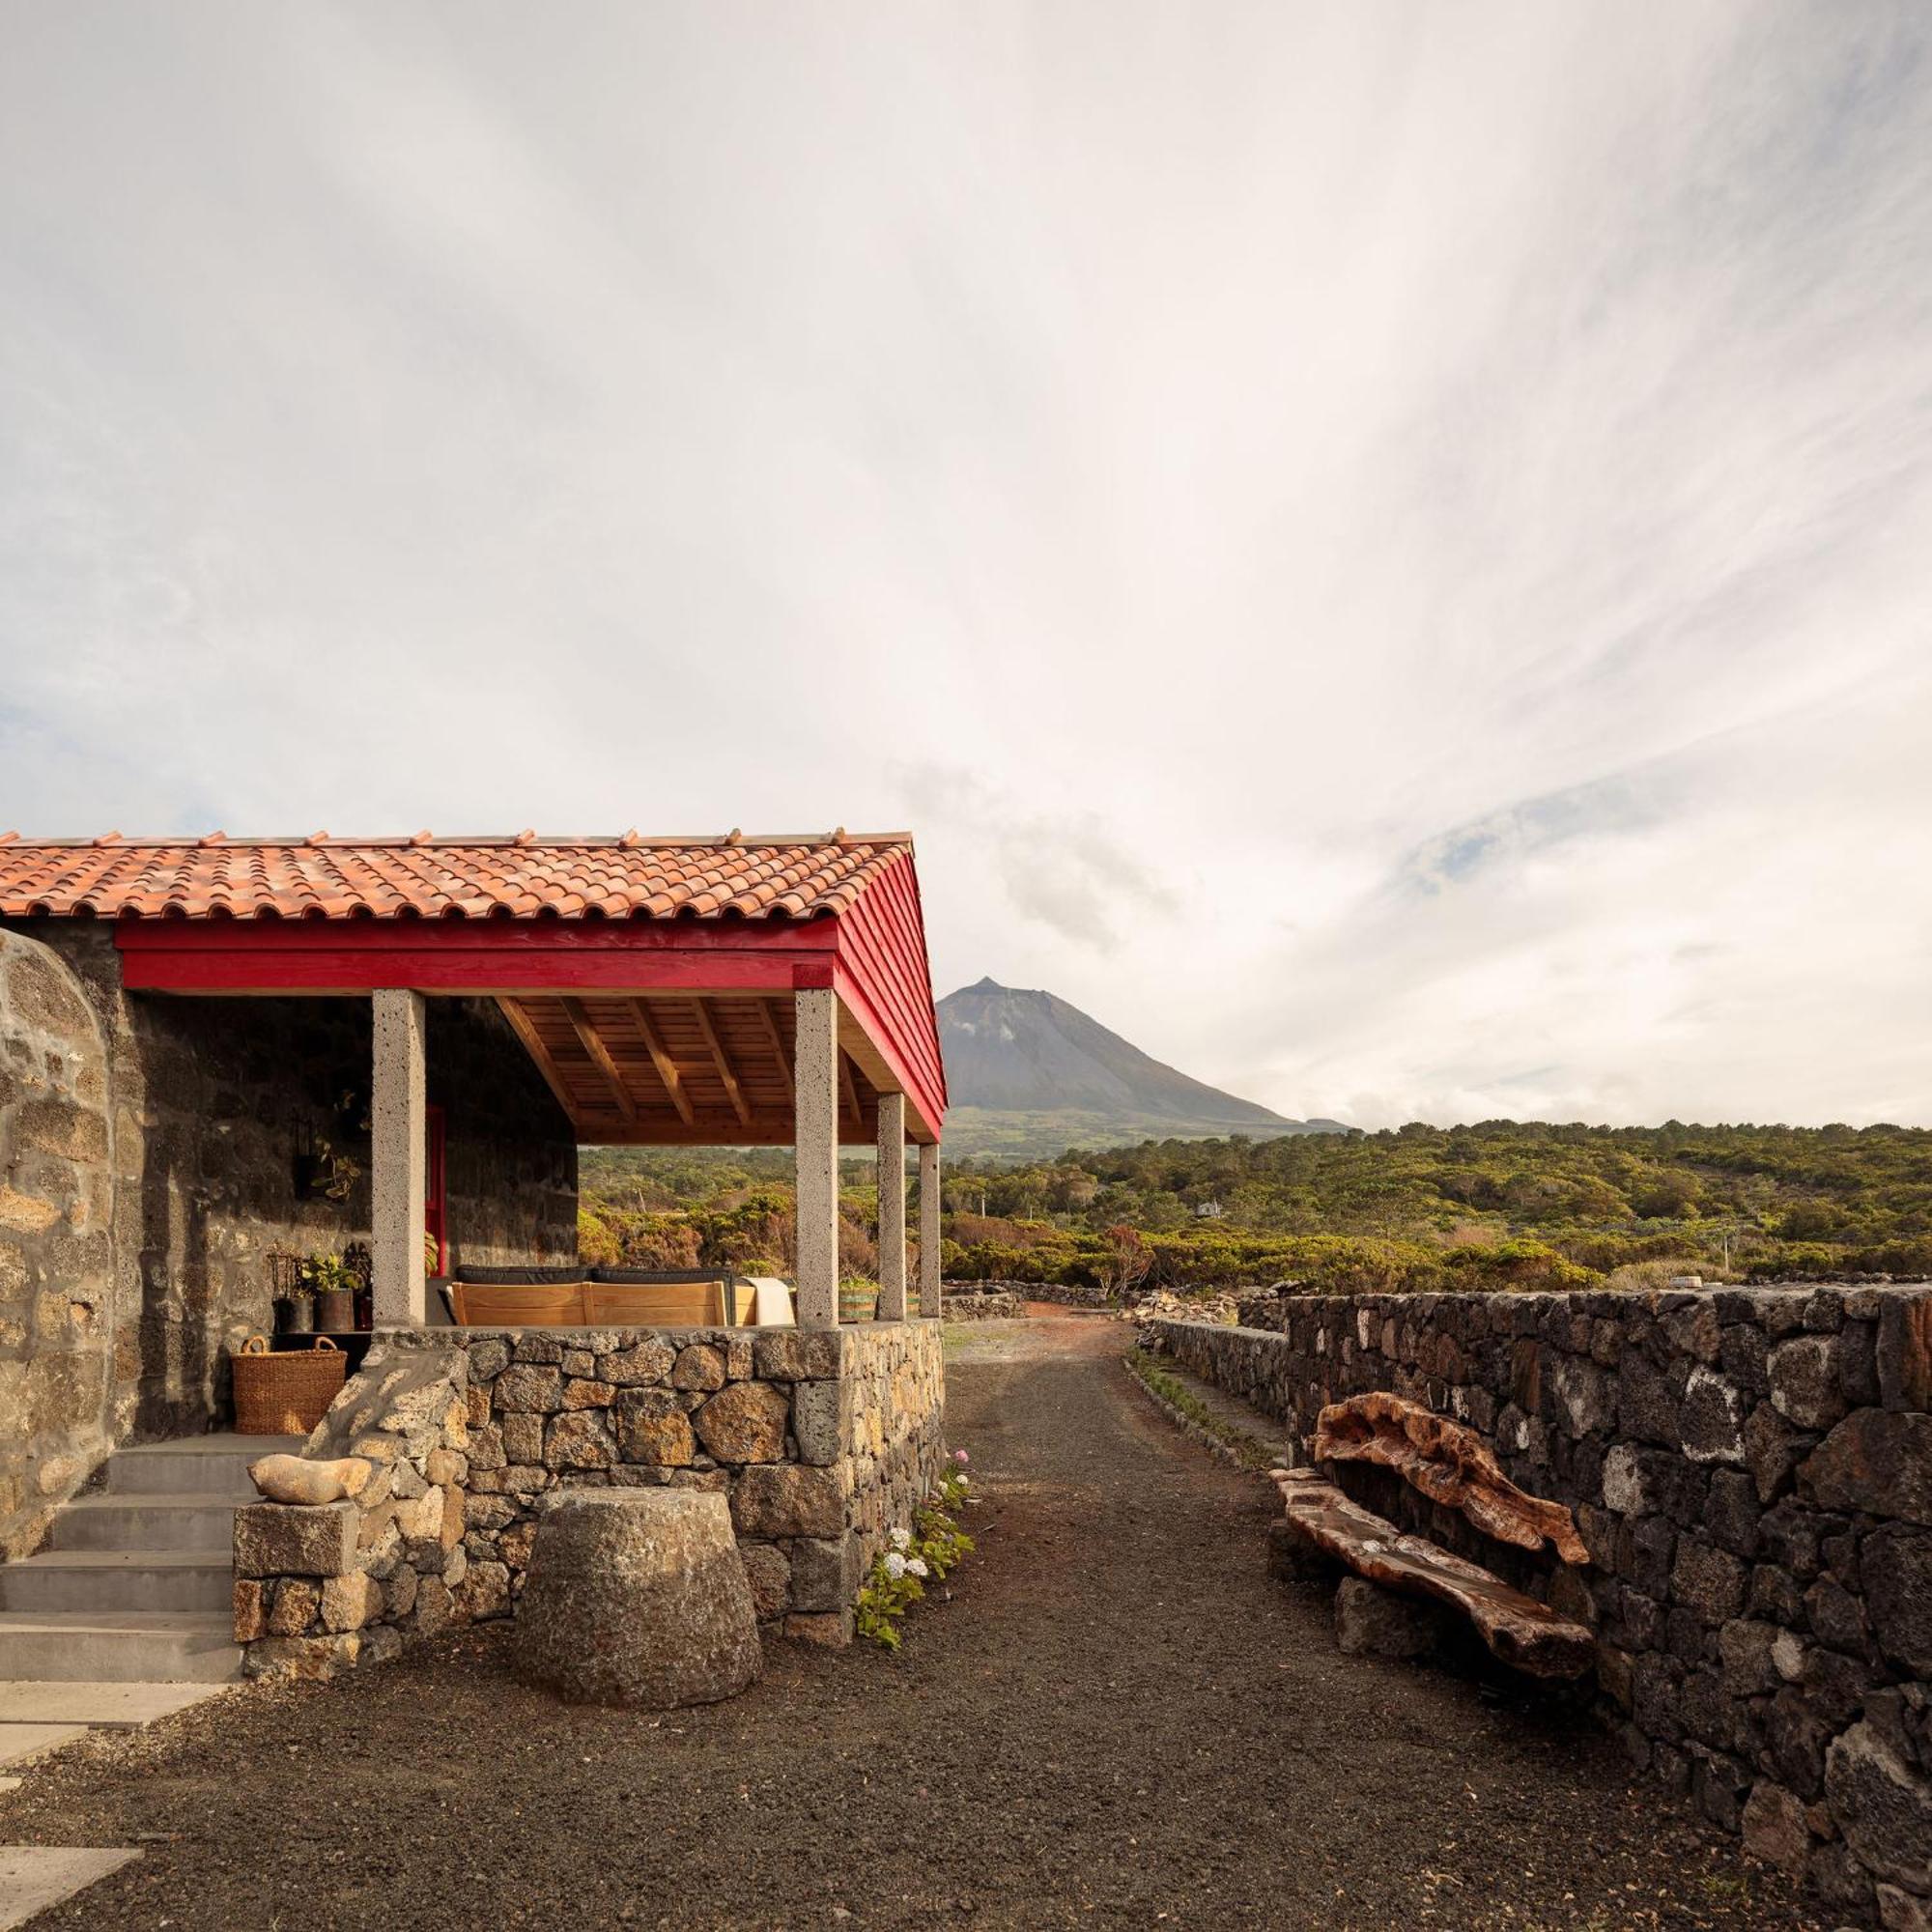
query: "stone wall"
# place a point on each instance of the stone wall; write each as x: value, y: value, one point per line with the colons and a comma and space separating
x: 1751, y: 1471
x: 1065, y: 1295
x: 980, y: 1302
x: 58, y: 1311
x: 823, y: 1439
x: 179, y: 1173
x: 322, y: 1587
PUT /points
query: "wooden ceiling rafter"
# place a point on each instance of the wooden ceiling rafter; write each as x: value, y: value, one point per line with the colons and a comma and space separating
x: 601, y: 1057
x: 722, y: 1061
x: 775, y: 1035
x: 525, y: 1030
x: 667, y: 1067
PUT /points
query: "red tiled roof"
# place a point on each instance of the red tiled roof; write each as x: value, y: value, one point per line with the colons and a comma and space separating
x: 524, y: 878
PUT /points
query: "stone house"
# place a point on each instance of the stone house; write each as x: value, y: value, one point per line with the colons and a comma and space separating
x: 213, y: 1049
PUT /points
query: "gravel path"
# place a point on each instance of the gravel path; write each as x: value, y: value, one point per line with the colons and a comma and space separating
x: 1117, y: 1720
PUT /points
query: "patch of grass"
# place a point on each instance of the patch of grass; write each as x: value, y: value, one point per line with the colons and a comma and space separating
x: 1726, y: 1887
x: 1248, y: 1450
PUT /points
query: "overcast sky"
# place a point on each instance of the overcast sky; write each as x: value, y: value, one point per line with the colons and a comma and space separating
x: 1385, y: 551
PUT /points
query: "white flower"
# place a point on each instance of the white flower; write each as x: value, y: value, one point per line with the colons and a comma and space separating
x: 964, y: 1481
x: 901, y: 1539
x: 916, y: 1566
x: 896, y: 1565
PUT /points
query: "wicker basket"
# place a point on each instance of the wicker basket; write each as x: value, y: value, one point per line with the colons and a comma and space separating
x: 285, y: 1395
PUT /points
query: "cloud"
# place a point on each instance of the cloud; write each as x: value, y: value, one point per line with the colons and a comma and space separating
x: 1070, y: 874
x: 1382, y: 554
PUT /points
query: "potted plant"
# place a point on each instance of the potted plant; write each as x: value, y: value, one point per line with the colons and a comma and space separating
x: 295, y: 1310
x: 334, y: 1281
x: 858, y: 1299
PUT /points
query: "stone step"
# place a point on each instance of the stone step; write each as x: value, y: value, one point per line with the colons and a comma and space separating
x: 132, y: 1521
x: 193, y: 1466
x: 120, y: 1647
x: 119, y: 1580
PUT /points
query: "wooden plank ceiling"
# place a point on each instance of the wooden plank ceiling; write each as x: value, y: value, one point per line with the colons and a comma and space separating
x: 658, y: 1069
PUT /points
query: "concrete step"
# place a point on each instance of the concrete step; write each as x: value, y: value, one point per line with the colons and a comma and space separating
x: 193, y: 1466
x: 36, y: 1878
x: 119, y: 1580
x: 132, y: 1521
x: 103, y: 1707
x: 120, y: 1647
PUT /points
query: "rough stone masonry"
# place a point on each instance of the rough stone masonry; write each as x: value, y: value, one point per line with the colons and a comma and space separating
x: 1751, y: 1471
x: 821, y: 1441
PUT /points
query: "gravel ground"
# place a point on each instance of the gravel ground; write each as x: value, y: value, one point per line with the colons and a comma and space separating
x: 1115, y: 1720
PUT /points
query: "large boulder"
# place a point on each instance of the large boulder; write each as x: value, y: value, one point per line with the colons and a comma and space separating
x: 636, y: 1597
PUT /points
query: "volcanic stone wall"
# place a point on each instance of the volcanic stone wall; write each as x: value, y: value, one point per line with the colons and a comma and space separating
x: 824, y: 1441
x: 1751, y: 1471
x: 980, y: 1301
x: 59, y: 1325
x: 149, y: 1148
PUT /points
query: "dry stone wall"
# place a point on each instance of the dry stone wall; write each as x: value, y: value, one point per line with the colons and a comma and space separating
x: 1751, y: 1471
x: 977, y: 1302
x: 823, y: 1442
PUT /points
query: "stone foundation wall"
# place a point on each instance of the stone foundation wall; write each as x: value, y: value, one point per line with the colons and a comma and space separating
x: 1751, y: 1471
x: 152, y: 1143
x: 822, y: 1440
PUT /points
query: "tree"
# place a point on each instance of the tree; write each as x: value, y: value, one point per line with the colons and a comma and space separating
x: 1126, y: 1260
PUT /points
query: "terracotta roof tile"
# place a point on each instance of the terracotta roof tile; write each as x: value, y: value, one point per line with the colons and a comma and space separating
x: 390, y: 878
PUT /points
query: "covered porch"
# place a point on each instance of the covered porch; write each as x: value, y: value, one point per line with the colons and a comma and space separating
x: 726, y: 993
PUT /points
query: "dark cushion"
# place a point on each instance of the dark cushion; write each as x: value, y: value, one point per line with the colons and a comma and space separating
x: 520, y: 1277
x: 656, y: 1277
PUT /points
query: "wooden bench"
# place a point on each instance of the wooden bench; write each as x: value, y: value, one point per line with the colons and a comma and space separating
x: 1447, y: 1463
x: 1451, y: 1465
x: 592, y: 1304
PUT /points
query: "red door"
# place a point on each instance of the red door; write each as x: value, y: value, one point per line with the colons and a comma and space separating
x: 433, y: 1195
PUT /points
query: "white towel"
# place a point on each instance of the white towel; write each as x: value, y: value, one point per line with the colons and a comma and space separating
x: 771, y: 1305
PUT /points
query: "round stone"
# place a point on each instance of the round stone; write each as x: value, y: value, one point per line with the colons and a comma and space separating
x: 636, y: 1597
x: 296, y: 1479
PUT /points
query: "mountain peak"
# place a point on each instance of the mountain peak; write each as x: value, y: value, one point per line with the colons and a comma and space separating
x: 1027, y: 1072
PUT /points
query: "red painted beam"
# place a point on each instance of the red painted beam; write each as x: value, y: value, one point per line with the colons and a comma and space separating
x: 480, y: 957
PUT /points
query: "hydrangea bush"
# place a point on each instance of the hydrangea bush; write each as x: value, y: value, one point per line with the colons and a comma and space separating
x: 914, y: 1558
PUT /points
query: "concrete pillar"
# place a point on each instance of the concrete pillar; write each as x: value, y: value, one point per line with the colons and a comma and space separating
x: 816, y: 1144
x: 891, y: 1207
x: 398, y: 1157
x: 928, y: 1229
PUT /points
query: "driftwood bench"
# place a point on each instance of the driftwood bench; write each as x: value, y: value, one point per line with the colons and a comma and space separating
x: 1451, y: 1465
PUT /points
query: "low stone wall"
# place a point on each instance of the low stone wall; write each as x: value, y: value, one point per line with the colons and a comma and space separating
x: 320, y: 1587
x: 824, y: 1441
x: 974, y: 1304
x: 1063, y: 1295
x: 1751, y: 1471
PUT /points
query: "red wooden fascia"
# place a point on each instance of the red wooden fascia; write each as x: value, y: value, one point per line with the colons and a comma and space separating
x: 874, y: 956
